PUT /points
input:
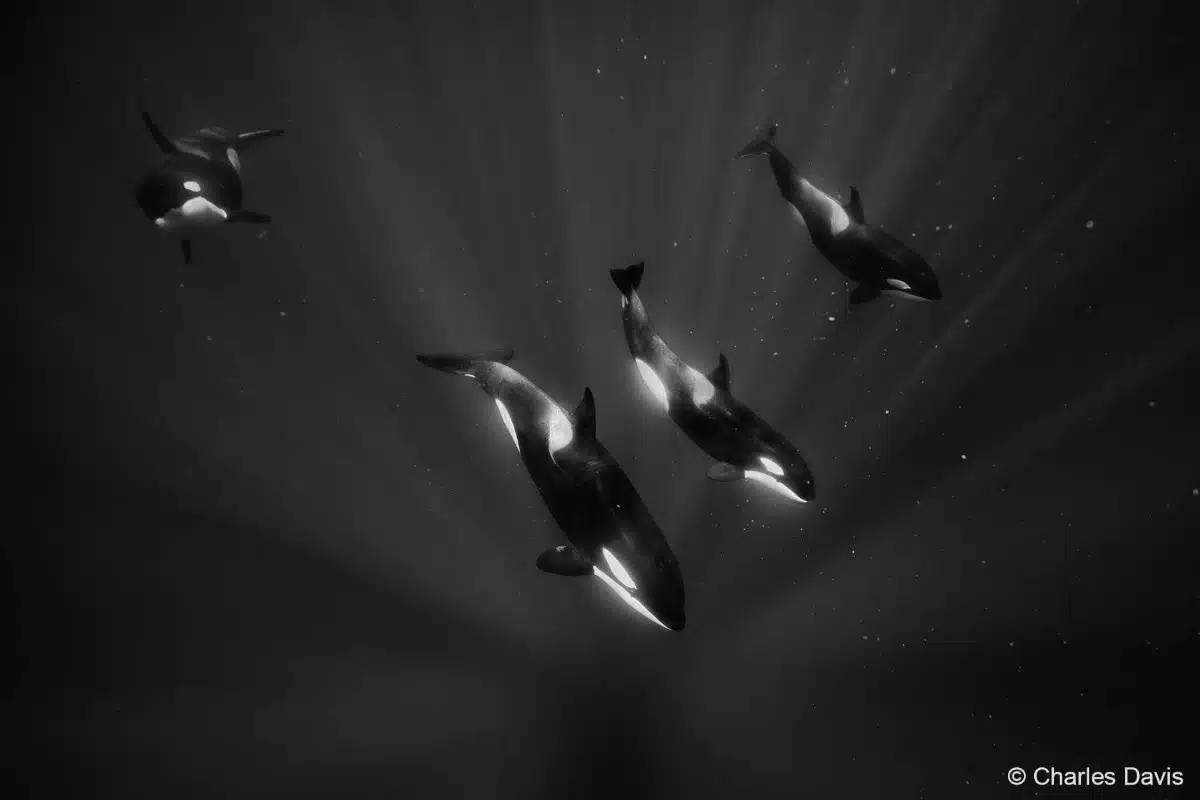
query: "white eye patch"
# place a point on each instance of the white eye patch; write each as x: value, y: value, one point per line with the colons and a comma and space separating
x: 618, y: 569
x: 771, y: 466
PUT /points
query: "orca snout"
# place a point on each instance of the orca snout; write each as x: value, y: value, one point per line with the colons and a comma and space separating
x: 787, y: 476
x: 924, y: 283
x: 799, y: 485
x: 668, y: 606
x: 667, y: 595
x: 676, y: 621
x: 804, y: 486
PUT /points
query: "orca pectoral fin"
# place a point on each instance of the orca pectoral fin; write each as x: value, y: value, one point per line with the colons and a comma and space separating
x: 164, y: 144
x: 245, y: 141
x: 186, y: 245
x: 248, y: 216
x: 564, y: 560
x: 725, y: 473
x: 863, y: 293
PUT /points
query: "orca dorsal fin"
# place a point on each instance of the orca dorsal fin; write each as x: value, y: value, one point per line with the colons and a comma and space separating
x: 585, y: 414
x: 564, y: 560
x: 720, y: 374
x: 854, y: 207
x: 164, y: 144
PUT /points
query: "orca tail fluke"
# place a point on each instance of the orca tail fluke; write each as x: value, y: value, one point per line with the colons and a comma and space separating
x: 762, y: 143
x: 629, y: 278
x: 245, y: 141
x: 462, y: 363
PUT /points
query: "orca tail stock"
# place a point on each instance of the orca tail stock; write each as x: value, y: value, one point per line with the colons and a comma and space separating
x: 464, y: 363
x: 762, y: 143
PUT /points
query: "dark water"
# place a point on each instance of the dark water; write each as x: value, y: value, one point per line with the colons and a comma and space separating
x: 260, y: 551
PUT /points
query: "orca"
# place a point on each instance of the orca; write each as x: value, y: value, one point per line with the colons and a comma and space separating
x: 877, y: 261
x: 610, y: 532
x: 197, y: 184
x: 702, y: 405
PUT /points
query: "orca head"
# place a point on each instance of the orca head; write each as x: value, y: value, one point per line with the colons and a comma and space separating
x: 911, y: 278
x: 649, y: 582
x: 777, y: 465
x: 178, y: 200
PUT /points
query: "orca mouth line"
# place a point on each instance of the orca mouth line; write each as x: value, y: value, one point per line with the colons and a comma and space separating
x: 773, y: 483
x: 629, y: 599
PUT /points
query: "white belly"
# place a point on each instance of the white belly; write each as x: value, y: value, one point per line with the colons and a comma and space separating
x: 198, y: 213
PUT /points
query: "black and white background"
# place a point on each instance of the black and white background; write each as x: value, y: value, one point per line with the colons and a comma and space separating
x: 256, y: 550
